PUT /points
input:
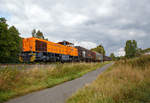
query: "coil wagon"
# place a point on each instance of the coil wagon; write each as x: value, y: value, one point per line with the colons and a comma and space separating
x: 88, y: 55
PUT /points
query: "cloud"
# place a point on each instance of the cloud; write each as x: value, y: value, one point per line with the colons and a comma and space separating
x: 86, y: 44
x: 106, y: 22
x: 73, y: 19
x: 120, y: 52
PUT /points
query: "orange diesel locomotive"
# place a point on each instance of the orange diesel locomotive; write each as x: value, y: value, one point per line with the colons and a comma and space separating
x: 35, y: 49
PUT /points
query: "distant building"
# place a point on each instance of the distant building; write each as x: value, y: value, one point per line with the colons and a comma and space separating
x: 148, y: 53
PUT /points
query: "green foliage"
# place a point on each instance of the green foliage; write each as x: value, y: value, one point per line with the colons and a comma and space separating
x: 33, y: 33
x: 10, y: 42
x: 145, y: 50
x: 99, y: 49
x: 131, y: 48
x: 37, y: 34
x: 112, y: 55
x: 138, y: 52
x: 139, y: 62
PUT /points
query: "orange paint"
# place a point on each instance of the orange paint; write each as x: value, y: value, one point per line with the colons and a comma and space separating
x: 29, y: 44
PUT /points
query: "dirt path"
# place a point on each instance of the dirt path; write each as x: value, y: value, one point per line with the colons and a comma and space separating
x: 60, y: 93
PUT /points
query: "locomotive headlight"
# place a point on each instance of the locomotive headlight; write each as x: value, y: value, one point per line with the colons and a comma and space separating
x: 33, y: 57
x: 20, y: 58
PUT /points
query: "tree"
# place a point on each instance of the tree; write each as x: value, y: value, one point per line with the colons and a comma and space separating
x: 37, y: 34
x: 33, y: 33
x: 16, y: 43
x: 99, y: 49
x: 145, y: 50
x: 3, y: 20
x: 138, y: 52
x: 130, y: 48
x: 3, y: 26
x: 112, y: 56
x: 10, y: 42
x: 3, y: 39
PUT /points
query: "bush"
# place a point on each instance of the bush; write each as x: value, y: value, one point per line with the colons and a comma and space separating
x: 139, y: 62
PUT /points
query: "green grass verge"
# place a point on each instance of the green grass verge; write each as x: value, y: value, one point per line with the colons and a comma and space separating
x: 125, y: 82
x: 15, y: 82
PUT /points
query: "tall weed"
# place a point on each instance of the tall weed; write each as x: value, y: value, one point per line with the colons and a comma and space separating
x: 19, y: 81
x: 128, y: 81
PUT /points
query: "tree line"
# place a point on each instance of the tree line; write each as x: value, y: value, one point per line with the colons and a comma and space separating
x: 131, y: 50
x: 100, y: 49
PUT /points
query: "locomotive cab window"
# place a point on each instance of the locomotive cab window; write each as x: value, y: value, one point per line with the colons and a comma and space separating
x: 41, y: 46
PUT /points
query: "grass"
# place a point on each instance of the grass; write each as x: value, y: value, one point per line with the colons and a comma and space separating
x: 20, y: 80
x: 127, y: 81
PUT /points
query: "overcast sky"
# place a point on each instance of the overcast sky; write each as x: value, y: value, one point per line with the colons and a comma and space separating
x: 83, y: 22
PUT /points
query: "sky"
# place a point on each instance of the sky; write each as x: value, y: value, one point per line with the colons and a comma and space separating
x: 87, y: 23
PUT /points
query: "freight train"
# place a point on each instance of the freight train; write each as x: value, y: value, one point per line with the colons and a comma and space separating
x: 35, y: 49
